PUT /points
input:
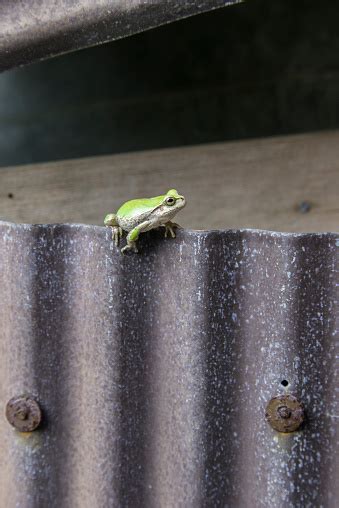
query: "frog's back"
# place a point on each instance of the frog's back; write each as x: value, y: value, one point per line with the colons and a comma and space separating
x: 134, y: 212
x: 138, y: 207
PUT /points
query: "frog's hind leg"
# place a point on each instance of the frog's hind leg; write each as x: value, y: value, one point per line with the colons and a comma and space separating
x: 134, y: 235
x: 111, y: 221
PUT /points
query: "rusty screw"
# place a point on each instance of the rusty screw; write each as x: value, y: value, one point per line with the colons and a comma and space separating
x: 285, y: 413
x: 24, y: 413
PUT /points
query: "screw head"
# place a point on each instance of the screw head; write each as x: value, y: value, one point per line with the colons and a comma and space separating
x: 305, y: 207
x: 24, y: 413
x: 285, y: 413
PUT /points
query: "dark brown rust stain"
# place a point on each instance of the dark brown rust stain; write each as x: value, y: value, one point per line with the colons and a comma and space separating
x: 24, y: 413
x: 285, y: 413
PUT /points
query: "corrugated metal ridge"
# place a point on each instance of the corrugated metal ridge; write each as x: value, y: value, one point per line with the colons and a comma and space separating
x: 153, y: 371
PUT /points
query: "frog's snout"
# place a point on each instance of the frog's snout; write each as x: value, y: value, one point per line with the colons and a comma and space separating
x: 182, y: 200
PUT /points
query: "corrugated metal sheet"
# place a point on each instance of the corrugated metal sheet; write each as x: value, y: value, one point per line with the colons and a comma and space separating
x: 32, y: 30
x: 153, y: 371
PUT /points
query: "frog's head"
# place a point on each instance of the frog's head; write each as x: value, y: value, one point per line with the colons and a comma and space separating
x: 174, y: 201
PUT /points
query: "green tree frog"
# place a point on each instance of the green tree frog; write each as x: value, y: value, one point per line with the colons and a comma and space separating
x: 140, y: 215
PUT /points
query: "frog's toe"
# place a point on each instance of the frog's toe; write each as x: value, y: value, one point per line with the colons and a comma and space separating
x: 172, y: 232
x: 118, y: 235
x: 125, y: 249
x: 115, y: 235
x: 129, y: 246
x: 169, y: 228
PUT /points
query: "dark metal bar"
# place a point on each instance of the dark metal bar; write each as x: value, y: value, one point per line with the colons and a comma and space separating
x: 33, y: 30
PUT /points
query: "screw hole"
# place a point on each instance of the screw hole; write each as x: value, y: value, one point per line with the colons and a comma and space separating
x: 284, y: 382
x: 10, y: 195
x: 304, y: 207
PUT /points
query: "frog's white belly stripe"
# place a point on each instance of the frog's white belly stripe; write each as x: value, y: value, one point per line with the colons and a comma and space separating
x: 129, y: 223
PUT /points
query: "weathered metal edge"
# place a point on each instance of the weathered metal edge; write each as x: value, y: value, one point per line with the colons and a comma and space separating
x: 34, y: 31
x: 300, y: 234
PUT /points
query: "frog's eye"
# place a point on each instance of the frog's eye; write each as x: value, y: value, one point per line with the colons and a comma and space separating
x: 170, y: 201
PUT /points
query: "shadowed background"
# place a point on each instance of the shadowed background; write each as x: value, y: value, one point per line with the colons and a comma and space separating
x: 259, y: 68
x: 221, y: 106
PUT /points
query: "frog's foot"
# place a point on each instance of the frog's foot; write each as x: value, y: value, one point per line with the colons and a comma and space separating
x: 111, y: 222
x: 133, y: 236
x: 116, y: 234
x: 169, y: 228
x: 130, y: 246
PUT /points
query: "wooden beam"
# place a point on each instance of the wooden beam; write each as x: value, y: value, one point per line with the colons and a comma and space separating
x: 247, y: 184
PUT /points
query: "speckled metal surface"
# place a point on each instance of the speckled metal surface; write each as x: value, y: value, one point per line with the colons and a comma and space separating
x: 153, y: 370
x: 32, y: 30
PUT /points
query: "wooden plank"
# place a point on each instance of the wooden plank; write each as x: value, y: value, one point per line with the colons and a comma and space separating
x: 246, y: 184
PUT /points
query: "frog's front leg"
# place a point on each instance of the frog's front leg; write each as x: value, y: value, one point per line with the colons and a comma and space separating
x: 169, y: 228
x: 111, y: 221
x: 134, y: 235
